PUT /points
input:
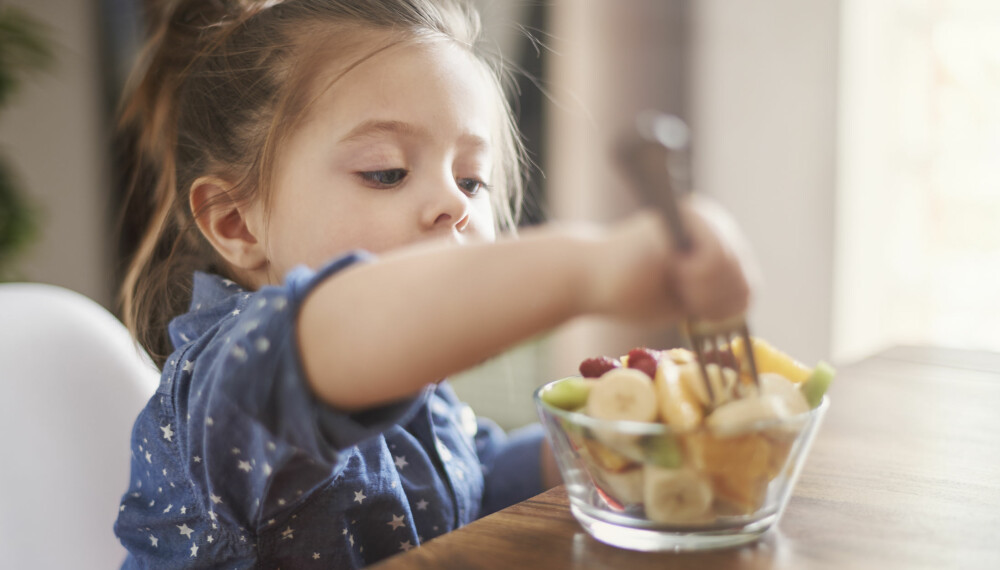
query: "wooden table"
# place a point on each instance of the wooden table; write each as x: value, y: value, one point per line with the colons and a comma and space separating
x: 905, y: 473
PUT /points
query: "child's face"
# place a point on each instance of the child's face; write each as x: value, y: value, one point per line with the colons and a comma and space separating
x: 397, y: 151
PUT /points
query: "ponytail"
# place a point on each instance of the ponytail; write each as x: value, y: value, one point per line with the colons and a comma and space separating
x: 156, y: 285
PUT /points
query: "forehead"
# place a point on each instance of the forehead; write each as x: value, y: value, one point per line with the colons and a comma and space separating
x: 414, y: 86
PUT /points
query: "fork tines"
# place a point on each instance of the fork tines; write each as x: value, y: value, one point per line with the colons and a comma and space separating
x: 712, y: 344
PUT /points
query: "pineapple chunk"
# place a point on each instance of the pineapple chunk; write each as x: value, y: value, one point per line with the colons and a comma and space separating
x: 770, y: 359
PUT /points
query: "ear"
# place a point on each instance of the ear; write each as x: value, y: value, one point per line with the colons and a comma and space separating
x: 234, y: 229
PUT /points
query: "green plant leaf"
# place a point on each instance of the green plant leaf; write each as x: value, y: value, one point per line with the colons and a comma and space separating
x: 24, y: 48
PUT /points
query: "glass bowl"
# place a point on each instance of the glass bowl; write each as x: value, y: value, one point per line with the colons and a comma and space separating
x: 643, y: 486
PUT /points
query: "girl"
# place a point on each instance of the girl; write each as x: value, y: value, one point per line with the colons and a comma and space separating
x: 309, y: 169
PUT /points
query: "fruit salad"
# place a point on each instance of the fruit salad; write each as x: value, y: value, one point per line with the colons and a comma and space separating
x: 723, y: 445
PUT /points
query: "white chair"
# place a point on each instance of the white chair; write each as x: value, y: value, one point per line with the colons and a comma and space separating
x: 71, y: 384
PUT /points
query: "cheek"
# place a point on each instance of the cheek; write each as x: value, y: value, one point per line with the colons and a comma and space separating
x: 482, y: 220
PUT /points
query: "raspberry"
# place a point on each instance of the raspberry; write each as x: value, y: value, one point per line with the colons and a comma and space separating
x: 596, y: 367
x: 641, y: 352
x: 725, y: 359
x: 644, y: 359
x: 646, y: 364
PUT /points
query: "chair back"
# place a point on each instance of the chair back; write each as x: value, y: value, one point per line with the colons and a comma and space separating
x: 71, y: 385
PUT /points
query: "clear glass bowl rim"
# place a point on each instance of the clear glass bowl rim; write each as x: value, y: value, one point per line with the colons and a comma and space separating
x: 657, y: 428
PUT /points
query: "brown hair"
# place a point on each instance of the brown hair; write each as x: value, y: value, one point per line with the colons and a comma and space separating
x: 217, y: 88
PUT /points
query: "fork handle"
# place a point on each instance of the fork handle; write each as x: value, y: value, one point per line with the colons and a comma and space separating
x: 644, y: 158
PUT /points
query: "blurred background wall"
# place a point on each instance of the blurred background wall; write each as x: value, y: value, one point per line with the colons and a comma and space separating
x: 855, y: 142
x: 55, y: 136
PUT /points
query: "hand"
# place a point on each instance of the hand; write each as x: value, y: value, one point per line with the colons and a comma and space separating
x: 639, y: 275
x: 715, y: 278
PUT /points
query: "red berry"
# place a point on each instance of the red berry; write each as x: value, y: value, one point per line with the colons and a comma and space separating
x: 596, y: 367
x: 645, y: 363
x: 724, y: 358
x: 641, y: 352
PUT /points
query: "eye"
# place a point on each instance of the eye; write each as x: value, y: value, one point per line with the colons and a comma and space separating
x: 384, y: 178
x: 472, y: 186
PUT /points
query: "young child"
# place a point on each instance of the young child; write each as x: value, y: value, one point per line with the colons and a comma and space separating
x: 324, y: 182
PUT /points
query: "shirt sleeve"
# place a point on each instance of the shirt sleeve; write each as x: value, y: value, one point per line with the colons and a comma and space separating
x: 265, y: 439
x: 511, y: 464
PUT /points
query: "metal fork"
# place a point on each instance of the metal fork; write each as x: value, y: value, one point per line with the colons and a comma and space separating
x: 651, y: 157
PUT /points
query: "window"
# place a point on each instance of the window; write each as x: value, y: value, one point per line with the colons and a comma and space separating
x: 918, y: 231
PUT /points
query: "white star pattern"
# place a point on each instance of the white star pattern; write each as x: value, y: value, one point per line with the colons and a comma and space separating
x: 149, y: 457
x: 209, y: 421
x: 239, y: 353
x: 262, y: 344
x: 210, y: 539
x: 267, y: 469
x: 280, y: 303
x: 405, y: 546
x: 168, y: 433
x: 121, y: 509
x: 443, y: 451
x: 154, y: 541
x: 185, y: 530
x: 196, y: 459
x: 288, y: 533
x: 188, y: 366
x: 184, y: 510
x: 396, y: 522
x: 235, y: 451
x: 215, y: 499
x: 422, y: 505
x: 359, y: 497
x: 167, y: 510
x: 351, y: 538
x: 401, y: 461
x: 245, y: 466
x: 315, y: 555
x: 236, y: 312
x: 194, y: 551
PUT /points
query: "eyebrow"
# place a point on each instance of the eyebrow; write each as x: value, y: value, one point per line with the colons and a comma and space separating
x: 376, y: 127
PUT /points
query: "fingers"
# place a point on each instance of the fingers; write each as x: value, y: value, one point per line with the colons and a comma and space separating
x: 715, y: 277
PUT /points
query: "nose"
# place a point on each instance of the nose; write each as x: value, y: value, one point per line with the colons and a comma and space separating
x: 446, y: 208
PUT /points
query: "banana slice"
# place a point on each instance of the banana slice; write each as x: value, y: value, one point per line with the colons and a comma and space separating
x: 675, y: 495
x: 680, y: 356
x: 679, y: 407
x: 723, y: 381
x: 623, y: 394
x: 772, y: 384
x: 740, y: 415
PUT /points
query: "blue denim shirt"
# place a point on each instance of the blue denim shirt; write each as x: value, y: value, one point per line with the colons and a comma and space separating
x: 236, y: 464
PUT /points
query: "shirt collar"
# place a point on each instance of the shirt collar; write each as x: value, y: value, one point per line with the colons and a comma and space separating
x: 212, y: 297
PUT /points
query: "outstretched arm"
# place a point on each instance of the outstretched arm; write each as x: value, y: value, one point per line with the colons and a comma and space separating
x: 379, y: 332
